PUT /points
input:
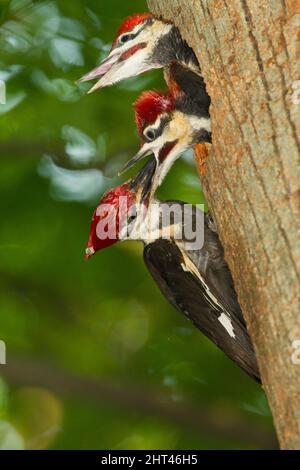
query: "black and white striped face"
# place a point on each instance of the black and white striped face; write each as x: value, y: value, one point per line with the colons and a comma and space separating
x: 154, y: 138
x: 168, y: 137
x: 131, y: 54
x: 153, y: 132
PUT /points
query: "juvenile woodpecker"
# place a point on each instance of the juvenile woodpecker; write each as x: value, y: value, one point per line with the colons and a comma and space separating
x: 194, y: 278
x: 168, y: 125
x: 143, y: 43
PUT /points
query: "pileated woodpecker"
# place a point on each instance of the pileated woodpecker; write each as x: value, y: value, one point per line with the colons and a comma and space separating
x: 143, y: 43
x: 195, y: 279
x: 168, y: 125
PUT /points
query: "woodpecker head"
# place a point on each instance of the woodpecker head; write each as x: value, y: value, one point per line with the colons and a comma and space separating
x: 121, y: 211
x: 132, y: 52
x: 168, y: 125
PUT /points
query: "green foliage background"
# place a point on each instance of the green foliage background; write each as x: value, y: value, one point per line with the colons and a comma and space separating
x: 102, y: 323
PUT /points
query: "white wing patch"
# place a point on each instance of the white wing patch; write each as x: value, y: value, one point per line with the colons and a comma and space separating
x: 184, y: 267
x: 226, y: 322
x: 189, y: 266
x: 224, y: 318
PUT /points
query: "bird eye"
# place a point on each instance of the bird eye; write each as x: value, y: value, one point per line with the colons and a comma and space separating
x: 150, y: 134
x: 131, y: 218
x: 125, y: 38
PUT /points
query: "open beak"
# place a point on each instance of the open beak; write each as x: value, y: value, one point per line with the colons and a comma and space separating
x: 145, y: 151
x: 142, y: 182
x: 100, y: 71
x: 119, y: 65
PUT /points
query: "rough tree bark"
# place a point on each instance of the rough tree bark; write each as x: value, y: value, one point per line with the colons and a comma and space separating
x: 248, y: 52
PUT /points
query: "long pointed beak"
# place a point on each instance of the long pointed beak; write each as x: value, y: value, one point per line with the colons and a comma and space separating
x: 100, y: 70
x: 143, y: 180
x: 119, y: 65
x: 144, y: 152
x: 89, y: 252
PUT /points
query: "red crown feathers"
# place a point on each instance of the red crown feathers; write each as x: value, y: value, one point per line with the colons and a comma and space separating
x: 110, y: 210
x: 130, y: 22
x: 149, y: 106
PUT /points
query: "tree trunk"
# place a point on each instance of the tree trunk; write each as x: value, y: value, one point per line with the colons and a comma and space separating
x: 248, y: 52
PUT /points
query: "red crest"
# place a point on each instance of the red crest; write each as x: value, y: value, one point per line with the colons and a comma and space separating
x: 149, y: 106
x: 110, y: 211
x: 130, y: 23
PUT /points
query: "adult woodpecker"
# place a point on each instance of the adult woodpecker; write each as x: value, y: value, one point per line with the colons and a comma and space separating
x: 168, y: 125
x: 193, y: 276
x: 143, y: 43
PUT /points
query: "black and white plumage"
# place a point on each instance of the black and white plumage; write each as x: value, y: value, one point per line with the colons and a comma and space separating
x: 196, y: 280
x: 143, y: 43
x: 199, y: 284
x: 181, y: 67
x: 181, y: 79
x: 171, y: 48
x: 169, y: 124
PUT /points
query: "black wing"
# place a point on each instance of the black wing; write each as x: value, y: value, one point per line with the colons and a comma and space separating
x: 211, y: 263
x: 209, y: 259
x: 191, y: 84
x: 170, y: 270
